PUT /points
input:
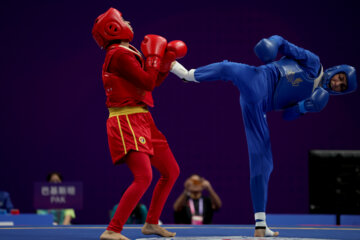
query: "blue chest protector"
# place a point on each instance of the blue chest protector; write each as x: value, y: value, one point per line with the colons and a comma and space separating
x: 294, y: 84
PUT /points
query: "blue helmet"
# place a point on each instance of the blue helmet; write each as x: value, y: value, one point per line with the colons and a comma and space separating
x: 350, y: 73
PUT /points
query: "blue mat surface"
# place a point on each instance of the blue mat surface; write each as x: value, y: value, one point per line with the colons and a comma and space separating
x: 186, y: 232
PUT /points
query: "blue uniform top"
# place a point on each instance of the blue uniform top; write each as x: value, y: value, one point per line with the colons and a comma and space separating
x: 298, y: 72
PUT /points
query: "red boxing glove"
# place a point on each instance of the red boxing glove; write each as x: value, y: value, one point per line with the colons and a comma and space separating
x: 153, y: 48
x: 175, y: 49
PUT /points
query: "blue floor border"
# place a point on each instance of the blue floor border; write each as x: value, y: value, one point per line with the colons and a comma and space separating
x: 92, y: 232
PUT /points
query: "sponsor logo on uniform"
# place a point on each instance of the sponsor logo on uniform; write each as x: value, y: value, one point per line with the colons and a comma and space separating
x: 295, y: 82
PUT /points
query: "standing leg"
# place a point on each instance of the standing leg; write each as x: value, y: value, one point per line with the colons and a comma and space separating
x: 261, y: 163
x: 140, y: 166
x: 165, y: 162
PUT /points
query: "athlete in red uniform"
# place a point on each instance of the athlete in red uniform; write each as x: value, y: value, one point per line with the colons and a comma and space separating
x: 132, y: 135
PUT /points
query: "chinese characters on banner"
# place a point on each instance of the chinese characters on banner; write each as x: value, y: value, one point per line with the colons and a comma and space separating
x: 59, y: 195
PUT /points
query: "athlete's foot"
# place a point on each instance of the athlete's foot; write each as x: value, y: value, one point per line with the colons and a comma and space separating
x: 265, y: 233
x: 149, y: 229
x: 110, y: 235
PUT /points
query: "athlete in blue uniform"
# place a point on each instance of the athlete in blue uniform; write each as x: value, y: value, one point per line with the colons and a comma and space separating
x: 296, y: 84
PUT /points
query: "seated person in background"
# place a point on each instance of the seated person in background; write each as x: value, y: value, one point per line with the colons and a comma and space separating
x: 61, y: 216
x: 5, y: 202
x: 138, y: 215
x: 192, y: 207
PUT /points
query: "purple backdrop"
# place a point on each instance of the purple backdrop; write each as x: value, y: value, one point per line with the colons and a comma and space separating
x: 53, y: 105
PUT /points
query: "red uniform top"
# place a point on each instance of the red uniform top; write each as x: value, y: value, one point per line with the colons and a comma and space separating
x: 125, y: 80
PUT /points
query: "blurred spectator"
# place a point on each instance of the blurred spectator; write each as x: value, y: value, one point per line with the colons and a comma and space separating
x: 5, y: 202
x: 61, y: 216
x: 138, y: 215
x: 192, y: 207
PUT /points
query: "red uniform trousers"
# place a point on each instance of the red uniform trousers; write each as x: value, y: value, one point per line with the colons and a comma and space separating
x: 135, y: 140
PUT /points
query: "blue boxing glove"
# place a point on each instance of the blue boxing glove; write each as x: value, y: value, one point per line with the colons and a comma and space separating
x: 267, y: 49
x: 318, y: 100
x: 315, y: 103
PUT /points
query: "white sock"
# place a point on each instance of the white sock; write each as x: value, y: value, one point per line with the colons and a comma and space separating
x: 180, y: 71
x: 260, y: 219
x: 260, y: 222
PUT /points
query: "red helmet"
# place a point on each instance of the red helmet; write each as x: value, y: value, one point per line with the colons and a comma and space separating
x: 111, y: 26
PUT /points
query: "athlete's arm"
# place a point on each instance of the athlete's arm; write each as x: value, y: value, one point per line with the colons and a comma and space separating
x: 315, y: 103
x: 268, y: 48
x: 127, y: 66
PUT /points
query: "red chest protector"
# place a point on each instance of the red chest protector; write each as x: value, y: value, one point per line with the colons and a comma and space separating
x: 122, y: 92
